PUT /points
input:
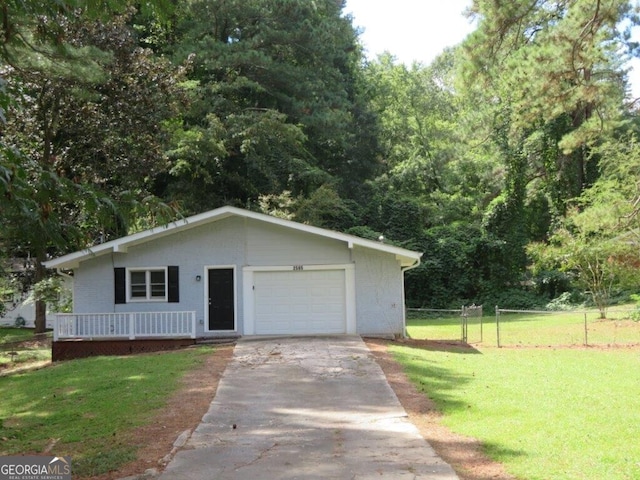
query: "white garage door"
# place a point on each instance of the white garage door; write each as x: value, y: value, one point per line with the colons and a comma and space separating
x: 300, y: 302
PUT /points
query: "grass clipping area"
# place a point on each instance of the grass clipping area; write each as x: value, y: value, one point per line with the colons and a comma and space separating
x: 86, y: 408
x: 542, y: 413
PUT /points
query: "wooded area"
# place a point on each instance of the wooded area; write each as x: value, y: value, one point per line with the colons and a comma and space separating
x: 511, y: 161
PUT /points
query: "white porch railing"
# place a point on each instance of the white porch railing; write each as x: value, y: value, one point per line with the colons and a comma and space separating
x: 129, y: 325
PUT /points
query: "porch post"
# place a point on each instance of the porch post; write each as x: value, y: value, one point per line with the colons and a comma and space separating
x: 132, y: 326
x: 193, y: 324
x: 56, y: 326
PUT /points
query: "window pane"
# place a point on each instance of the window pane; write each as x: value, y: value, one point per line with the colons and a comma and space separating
x: 138, y: 291
x: 157, y: 291
x: 157, y: 284
x: 138, y: 284
x: 138, y: 278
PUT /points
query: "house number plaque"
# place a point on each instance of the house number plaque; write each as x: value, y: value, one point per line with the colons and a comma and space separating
x: 297, y: 268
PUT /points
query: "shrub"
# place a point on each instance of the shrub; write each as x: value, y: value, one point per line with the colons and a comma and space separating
x: 513, y: 298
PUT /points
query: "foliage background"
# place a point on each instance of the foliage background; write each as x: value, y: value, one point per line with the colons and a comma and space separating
x: 511, y: 161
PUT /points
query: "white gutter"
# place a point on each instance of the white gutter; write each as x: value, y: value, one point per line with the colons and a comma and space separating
x: 404, y: 307
x: 62, y: 274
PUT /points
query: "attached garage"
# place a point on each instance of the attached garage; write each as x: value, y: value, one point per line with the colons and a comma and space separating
x: 303, y: 300
x: 300, y: 302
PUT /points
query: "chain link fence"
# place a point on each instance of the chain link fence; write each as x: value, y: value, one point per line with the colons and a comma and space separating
x: 454, y: 325
x: 526, y: 328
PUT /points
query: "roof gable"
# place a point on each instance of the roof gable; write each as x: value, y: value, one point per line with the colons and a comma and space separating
x: 406, y: 257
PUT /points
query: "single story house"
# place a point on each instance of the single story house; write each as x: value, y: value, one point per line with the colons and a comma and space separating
x: 233, y: 272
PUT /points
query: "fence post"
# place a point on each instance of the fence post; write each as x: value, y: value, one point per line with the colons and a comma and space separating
x: 464, y: 324
x: 498, y: 326
x: 586, y: 340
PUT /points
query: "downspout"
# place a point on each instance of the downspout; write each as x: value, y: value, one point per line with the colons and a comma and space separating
x: 404, y: 306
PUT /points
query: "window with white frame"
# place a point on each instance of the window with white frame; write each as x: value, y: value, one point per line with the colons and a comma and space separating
x: 147, y: 284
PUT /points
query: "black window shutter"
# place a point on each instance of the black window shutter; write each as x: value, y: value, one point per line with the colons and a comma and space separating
x: 120, y: 284
x: 173, y: 285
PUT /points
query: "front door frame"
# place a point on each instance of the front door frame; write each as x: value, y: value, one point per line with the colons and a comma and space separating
x: 207, y: 268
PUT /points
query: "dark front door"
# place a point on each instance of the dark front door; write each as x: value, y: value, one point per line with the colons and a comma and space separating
x: 221, y: 301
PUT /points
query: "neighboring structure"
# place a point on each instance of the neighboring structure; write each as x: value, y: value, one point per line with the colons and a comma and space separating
x: 230, y: 272
x: 18, y: 308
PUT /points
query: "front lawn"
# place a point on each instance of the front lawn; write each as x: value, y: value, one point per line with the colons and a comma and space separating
x: 19, y: 347
x: 85, y: 408
x: 15, y: 334
x: 543, y: 413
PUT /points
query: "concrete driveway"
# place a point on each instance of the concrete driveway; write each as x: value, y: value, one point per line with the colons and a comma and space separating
x: 305, y: 408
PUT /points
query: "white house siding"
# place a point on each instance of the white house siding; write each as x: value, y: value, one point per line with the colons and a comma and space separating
x: 233, y: 241
x: 379, y: 296
x: 277, y: 246
x: 93, y: 286
x: 219, y: 243
x: 215, y: 244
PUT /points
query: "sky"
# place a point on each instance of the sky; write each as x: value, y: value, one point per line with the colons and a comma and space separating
x: 410, y: 29
x: 419, y: 30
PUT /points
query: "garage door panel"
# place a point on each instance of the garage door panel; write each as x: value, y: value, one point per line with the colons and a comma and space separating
x: 300, y: 302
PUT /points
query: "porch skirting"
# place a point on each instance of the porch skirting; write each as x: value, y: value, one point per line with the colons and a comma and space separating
x: 70, y: 349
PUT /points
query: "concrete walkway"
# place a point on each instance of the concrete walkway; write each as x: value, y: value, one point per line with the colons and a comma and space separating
x: 305, y: 408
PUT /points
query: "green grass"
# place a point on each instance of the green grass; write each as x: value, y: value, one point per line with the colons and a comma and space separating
x: 557, y: 414
x: 532, y: 329
x: 435, y: 327
x: 13, y: 334
x: 28, y: 349
x: 88, y: 405
x: 24, y: 356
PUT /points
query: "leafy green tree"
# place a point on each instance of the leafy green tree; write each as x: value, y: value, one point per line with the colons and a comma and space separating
x: 598, y: 243
x: 558, y: 68
x: 596, y: 263
x: 325, y: 208
x: 275, y: 102
x: 428, y: 153
x: 549, y: 84
x: 85, y: 129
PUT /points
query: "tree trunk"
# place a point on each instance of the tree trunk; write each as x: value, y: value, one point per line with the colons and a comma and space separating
x: 41, y: 306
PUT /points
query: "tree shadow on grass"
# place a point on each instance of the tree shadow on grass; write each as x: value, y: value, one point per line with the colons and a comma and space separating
x: 451, y: 346
x: 497, y: 451
x: 473, y: 460
x: 435, y: 381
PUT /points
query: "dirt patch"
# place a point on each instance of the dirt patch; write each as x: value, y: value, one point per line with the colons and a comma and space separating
x: 183, y: 411
x: 462, y: 453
